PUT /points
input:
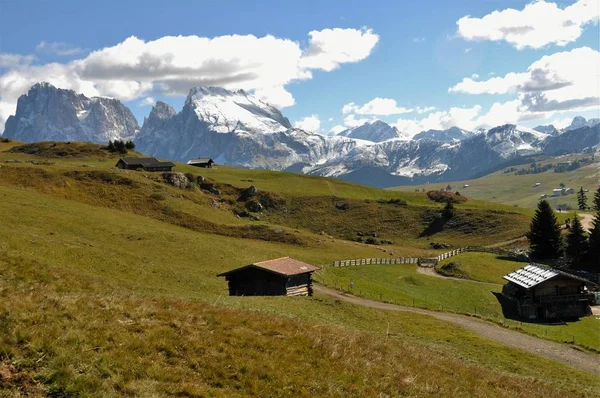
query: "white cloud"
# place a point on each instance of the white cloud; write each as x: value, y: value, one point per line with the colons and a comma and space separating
x: 418, y: 39
x: 329, y: 48
x: 562, y: 81
x: 8, y: 60
x: 330, y: 119
x: 468, y: 50
x: 440, y: 120
x: 310, y: 123
x: 171, y: 65
x: 352, y: 121
x: 148, y: 101
x: 59, y: 48
x: 377, y: 106
x: 474, y: 76
x: 425, y: 109
x: 538, y: 24
x: 335, y: 130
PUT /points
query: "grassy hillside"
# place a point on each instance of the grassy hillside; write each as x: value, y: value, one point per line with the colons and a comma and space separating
x: 108, y: 287
x: 402, y: 284
x: 520, y: 190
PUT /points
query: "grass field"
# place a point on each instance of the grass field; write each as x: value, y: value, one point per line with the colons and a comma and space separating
x: 108, y: 287
x: 401, y: 284
x: 520, y: 190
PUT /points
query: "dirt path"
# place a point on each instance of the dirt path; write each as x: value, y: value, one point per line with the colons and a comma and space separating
x: 430, y: 271
x: 587, y: 221
x: 559, y: 352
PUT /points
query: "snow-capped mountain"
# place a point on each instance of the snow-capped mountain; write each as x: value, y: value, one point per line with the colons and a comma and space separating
x: 453, y: 134
x: 375, y: 131
x: 235, y: 128
x: 548, y: 129
x: 47, y: 113
x: 579, y: 122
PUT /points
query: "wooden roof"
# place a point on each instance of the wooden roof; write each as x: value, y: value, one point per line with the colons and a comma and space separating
x: 145, y: 162
x: 286, y: 266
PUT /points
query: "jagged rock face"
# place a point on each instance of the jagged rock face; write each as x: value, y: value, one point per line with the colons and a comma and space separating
x: 453, y: 134
x: 547, y: 129
x: 376, y: 131
x: 47, y: 113
x: 573, y: 140
x: 580, y: 122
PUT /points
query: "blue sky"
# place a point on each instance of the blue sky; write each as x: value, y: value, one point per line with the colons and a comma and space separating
x: 410, y: 52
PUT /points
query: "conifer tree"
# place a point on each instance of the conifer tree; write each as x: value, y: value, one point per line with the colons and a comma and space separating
x: 577, y: 243
x: 594, y: 244
x: 582, y: 199
x: 448, y: 211
x: 597, y: 200
x: 545, y: 240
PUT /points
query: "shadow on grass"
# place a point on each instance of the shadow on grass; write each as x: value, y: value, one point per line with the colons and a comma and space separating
x: 434, y: 227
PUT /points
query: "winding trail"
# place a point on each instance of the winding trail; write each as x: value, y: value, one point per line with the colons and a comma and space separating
x: 430, y: 271
x: 556, y: 351
x: 587, y: 221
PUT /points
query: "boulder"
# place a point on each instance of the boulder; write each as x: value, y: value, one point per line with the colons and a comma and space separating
x: 248, y: 193
x: 342, y: 206
x: 178, y: 180
x: 254, y: 206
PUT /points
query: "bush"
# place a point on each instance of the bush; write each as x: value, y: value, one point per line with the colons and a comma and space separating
x: 445, y: 197
x: 6, y: 140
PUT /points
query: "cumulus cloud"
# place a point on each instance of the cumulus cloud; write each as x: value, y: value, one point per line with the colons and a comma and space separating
x: 329, y: 48
x: 377, y: 106
x: 335, y: 130
x: 310, y: 123
x: 352, y: 121
x: 8, y: 60
x: 148, y: 101
x: 562, y: 81
x: 440, y: 120
x: 538, y: 24
x: 171, y: 65
x: 59, y: 48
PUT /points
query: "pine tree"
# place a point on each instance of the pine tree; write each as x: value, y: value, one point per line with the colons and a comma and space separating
x: 545, y: 240
x: 111, y: 146
x: 576, y: 241
x: 582, y: 199
x: 448, y: 211
x: 597, y: 200
x: 594, y: 244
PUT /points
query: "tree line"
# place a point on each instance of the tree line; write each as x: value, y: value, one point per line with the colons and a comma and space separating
x: 546, y: 241
x: 120, y: 146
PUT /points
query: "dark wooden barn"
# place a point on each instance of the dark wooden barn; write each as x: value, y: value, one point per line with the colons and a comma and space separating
x: 201, y: 162
x: 147, y: 164
x: 280, y: 277
x: 543, y: 293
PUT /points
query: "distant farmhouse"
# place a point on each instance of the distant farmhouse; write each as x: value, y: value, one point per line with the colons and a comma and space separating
x: 147, y: 164
x: 280, y: 277
x: 201, y: 162
x: 542, y: 293
x: 557, y: 192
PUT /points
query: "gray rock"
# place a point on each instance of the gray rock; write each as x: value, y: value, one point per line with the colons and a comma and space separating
x: 254, y: 206
x: 178, y: 180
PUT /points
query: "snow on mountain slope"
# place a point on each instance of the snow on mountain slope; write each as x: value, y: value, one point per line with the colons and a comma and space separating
x: 47, y: 113
x: 453, y: 134
x: 579, y: 122
x: 228, y: 111
x: 375, y: 131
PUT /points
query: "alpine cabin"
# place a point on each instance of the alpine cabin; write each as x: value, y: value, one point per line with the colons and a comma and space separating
x: 146, y: 164
x: 542, y: 293
x: 201, y: 162
x: 279, y: 277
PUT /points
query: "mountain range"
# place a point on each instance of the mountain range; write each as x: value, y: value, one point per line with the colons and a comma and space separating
x: 236, y: 128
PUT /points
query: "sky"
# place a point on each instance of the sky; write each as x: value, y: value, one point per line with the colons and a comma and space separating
x: 328, y: 65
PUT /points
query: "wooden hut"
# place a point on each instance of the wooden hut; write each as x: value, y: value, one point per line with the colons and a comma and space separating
x: 279, y: 277
x: 543, y: 293
x: 147, y: 164
x: 201, y: 162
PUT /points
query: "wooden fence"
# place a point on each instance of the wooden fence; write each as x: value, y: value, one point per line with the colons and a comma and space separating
x: 426, y: 262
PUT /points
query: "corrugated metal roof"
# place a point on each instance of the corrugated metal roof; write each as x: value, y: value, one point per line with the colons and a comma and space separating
x: 283, y: 266
x: 531, y: 275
